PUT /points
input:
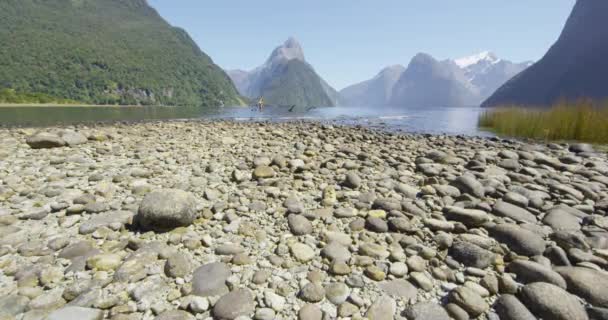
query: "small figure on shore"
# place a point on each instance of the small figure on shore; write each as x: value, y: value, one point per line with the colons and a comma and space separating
x: 261, y: 104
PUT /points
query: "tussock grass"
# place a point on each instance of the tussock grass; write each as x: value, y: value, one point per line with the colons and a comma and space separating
x: 583, y: 121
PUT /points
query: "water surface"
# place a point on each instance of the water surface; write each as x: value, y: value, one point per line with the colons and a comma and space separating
x: 421, y: 120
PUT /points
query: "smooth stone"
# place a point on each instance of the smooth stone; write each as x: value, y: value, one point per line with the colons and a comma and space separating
x: 12, y: 305
x: 175, y: 315
x: 299, y: 225
x: 210, y: 279
x: 44, y: 140
x: 548, y: 301
x: 113, y: 220
x: 234, y: 304
x: 505, y: 209
x: 530, y: 272
x: 178, y: 266
x: 471, y: 255
x: 589, y: 284
x: 469, y: 300
x: 399, y: 288
x: 337, y: 293
x: 426, y: 311
x: 469, y: 217
x: 468, y: 184
x: 519, y: 240
x: 312, y: 292
x: 310, y: 312
x: 336, y: 252
x: 166, y: 209
x: 302, y: 252
x: 508, y: 307
x: 76, y: 313
x: 383, y: 308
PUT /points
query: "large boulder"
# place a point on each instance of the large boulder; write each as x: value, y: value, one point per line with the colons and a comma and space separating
x: 45, y: 140
x: 165, y: 209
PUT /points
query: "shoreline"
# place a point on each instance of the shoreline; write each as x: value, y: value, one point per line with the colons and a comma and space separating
x: 56, y: 105
x: 172, y: 215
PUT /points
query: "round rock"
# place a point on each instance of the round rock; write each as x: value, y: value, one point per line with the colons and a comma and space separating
x: 166, y: 209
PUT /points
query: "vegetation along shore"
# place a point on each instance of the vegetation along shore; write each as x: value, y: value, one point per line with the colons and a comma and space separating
x: 580, y: 121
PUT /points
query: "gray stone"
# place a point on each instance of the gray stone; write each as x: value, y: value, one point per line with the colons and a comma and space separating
x: 337, y: 293
x: 469, y: 300
x: 529, y: 272
x: 175, y: 315
x: 399, y: 288
x: 312, y: 292
x: 560, y: 219
x: 468, y: 184
x: 471, y: 255
x: 376, y: 224
x: 210, y: 279
x: 548, y: 301
x: 72, y: 138
x: 352, y: 180
x: 589, y: 284
x: 426, y: 311
x: 44, y: 140
x: 508, y: 307
x: 336, y: 252
x: 310, y: 312
x: 383, y: 308
x: 113, y: 220
x: 299, y: 225
x: 505, y: 209
x: 519, y: 240
x: 235, y: 304
x: 12, y: 305
x: 178, y: 266
x: 76, y: 313
x: 469, y: 217
x: 166, y: 209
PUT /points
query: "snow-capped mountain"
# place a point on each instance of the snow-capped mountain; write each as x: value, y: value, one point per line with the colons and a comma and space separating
x: 465, y: 81
x: 286, y: 78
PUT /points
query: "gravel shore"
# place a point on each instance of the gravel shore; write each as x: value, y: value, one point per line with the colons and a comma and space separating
x: 228, y: 220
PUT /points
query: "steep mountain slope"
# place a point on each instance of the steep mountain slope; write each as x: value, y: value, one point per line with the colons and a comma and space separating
x: 574, y: 67
x: 105, y: 51
x: 286, y: 79
x: 374, y: 92
x: 430, y: 83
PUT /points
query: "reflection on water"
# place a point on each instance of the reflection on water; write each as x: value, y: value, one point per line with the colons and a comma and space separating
x: 427, y: 120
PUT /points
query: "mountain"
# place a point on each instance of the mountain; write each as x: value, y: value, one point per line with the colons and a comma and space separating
x: 286, y: 79
x: 374, y: 92
x: 105, y: 52
x: 487, y: 72
x: 574, y: 67
x: 427, y: 82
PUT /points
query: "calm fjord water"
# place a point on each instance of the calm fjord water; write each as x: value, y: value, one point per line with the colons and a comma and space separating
x: 422, y: 120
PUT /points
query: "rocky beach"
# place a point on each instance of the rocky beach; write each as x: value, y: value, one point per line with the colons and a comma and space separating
x: 244, y: 220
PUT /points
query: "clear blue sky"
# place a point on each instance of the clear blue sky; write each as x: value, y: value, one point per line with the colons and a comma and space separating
x: 348, y: 41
